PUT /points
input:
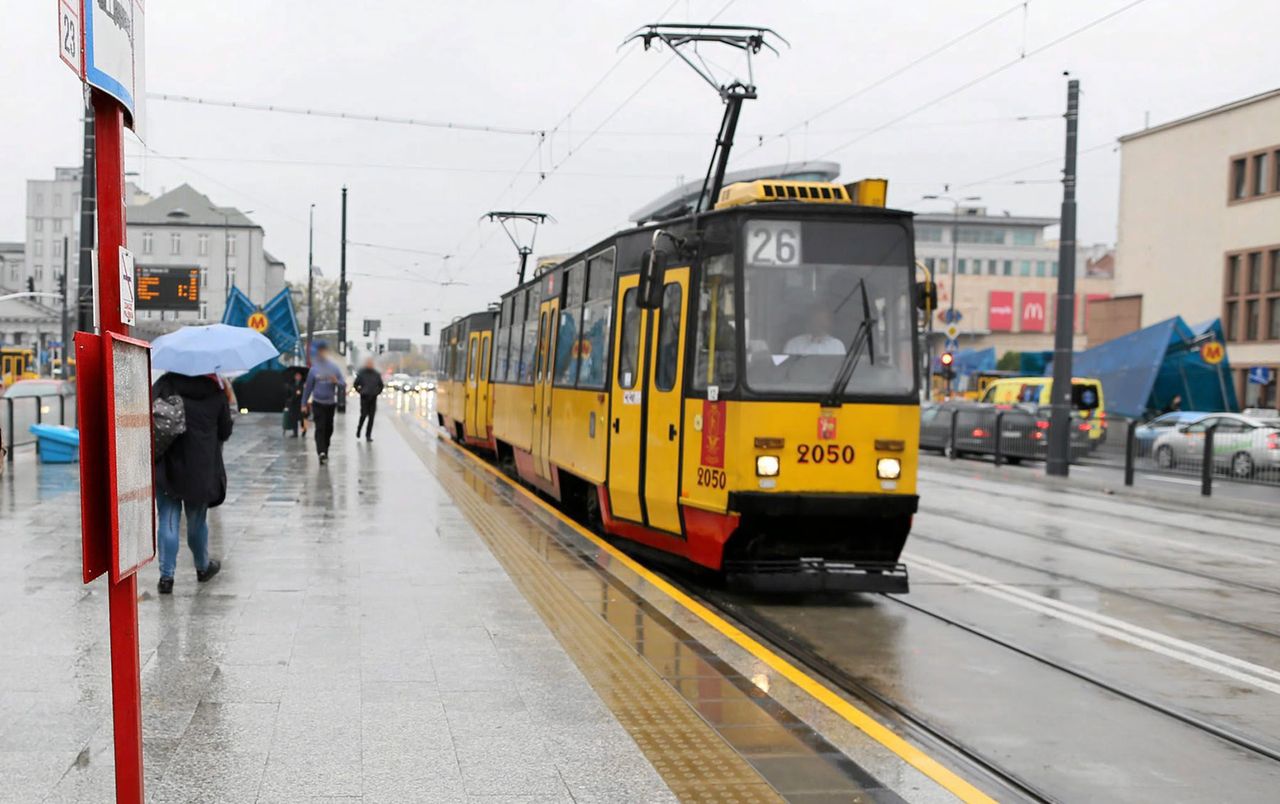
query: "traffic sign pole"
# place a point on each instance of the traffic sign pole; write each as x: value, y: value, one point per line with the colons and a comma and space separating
x: 126, y: 684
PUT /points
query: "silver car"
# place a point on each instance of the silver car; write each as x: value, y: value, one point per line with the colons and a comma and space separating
x: 1241, y: 444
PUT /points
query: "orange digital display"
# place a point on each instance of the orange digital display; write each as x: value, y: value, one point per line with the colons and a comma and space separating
x: 168, y: 288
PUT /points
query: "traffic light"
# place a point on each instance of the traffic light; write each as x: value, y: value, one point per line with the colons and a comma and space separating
x: 31, y: 285
x: 948, y: 365
x: 426, y: 329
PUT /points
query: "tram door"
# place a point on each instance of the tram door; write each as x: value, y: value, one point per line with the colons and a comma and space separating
x: 543, y: 372
x: 663, y: 404
x: 478, y: 387
x: 470, y: 384
x: 625, y: 397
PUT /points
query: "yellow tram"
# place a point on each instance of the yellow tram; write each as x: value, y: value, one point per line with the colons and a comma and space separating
x: 738, y: 388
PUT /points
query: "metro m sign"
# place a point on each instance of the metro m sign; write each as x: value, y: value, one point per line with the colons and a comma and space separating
x: 1033, y: 312
x: 1000, y: 311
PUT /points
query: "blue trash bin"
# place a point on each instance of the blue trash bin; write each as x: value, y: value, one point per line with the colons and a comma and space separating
x: 56, y: 443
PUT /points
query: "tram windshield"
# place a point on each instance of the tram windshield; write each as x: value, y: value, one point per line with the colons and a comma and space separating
x: 804, y: 286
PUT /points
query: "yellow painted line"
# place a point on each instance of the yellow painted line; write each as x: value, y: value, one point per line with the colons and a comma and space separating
x: 864, y: 722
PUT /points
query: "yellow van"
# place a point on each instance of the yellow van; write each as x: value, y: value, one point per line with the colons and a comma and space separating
x: 1086, y: 398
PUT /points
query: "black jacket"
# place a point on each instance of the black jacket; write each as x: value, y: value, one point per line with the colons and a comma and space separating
x: 368, y: 382
x: 191, y: 468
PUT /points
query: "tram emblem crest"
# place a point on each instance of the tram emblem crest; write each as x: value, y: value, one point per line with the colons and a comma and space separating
x: 826, y: 427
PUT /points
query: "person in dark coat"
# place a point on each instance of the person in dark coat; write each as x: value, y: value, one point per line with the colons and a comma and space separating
x: 295, y: 378
x: 190, y: 474
x: 368, y: 384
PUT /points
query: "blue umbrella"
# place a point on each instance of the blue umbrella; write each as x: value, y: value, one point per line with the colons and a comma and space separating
x: 213, y: 349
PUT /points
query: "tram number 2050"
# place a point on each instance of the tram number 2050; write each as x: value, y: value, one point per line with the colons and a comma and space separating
x: 819, y: 453
x: 712, y: 478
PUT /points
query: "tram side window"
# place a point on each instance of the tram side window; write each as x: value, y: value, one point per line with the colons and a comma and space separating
x: 717, y: 323
x: 514, y: 337
x: 629, y: 351
x: 472, y: 359
x: 593, y: 346
x: 501, y: 340
x: 669, y: 337
x: 567, y: 341
x: 529, y: 343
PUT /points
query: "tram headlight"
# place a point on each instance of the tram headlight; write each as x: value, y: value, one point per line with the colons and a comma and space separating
x: 888, y: 468
x: 767, y: 465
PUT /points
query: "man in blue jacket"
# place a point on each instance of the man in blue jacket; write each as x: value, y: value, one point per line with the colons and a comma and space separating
x: 326, y: 384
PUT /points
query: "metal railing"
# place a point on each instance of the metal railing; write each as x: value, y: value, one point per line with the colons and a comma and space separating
x: 1213, y: 455
x: 19, y: 413
x: 1005, y: 435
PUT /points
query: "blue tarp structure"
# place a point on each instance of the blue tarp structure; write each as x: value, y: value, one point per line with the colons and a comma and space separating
x: 282, y: 324
x: 1035, y: 364
x: 1143, y: 371
x: 968, y: 361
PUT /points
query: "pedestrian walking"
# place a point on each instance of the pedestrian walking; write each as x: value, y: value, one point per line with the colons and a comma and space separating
x: 324, y: 387
x: 189, y: 473
x: 368, y: 384
x: 295, y: 378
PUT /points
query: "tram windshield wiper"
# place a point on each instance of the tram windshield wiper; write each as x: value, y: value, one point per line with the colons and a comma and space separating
x: 862, y: 340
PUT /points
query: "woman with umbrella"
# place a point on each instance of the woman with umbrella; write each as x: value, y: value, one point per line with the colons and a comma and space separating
x: 190, y: 474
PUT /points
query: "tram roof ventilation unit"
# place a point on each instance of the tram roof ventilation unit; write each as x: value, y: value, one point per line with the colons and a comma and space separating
x: 868, y: 192
x: 680, y: 201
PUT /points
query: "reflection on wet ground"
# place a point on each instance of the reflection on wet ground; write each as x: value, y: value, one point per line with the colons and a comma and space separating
x: 677, y: 687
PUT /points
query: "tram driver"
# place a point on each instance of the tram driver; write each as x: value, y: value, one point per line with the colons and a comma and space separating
x: 817, y: 339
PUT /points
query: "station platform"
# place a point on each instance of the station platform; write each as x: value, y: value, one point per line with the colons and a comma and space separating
x: 406, y: 625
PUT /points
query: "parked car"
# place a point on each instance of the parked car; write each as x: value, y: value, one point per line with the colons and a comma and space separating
x: 1241, y: 444
x: 1145, y: 434
x: 1023, y: 430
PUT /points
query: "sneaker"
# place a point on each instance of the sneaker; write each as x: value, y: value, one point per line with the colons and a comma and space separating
x: 209, y: 571
x: 165, y: 587
x: 324, y: 457
x: 369, y: 439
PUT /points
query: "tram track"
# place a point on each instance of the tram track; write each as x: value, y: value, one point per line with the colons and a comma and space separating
x: 885, y: 705
x: 1006, y: 528
x: 1200, y: 615
x: 1074, y: 509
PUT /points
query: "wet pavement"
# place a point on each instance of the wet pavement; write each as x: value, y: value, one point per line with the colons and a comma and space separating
x: 361, y: 644
x: 1095, y: 647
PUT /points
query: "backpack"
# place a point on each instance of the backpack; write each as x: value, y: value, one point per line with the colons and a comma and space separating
x: 168, y: 421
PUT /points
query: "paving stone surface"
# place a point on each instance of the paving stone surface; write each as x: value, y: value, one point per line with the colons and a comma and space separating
x: 361, y: 645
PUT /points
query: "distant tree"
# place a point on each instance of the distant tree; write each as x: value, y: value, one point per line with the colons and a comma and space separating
x: 326, y: 305
x: 1010, y: 361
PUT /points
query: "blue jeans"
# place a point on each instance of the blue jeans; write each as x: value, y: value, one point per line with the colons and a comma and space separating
x: 170, y: 516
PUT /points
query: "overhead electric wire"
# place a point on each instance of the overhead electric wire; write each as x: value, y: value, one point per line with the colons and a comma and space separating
x: 984, y: 76
x: 338, y: 115
x: 890, y: 76
x: 1042, y: 163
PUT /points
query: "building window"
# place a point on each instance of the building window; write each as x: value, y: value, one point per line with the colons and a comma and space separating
x: 39, y: 205
x: 1008, y: 267
x: 1239, y: 172
x: 38, y: 248
x: 38, y: 226
x: 147, y: 243
x: 961, y: 266
x: 175, y: 243
x: 1024, y: 237
x: 992, y: 266
x: 944, y: 265
x: 928, y: 234
x: 204, y: 279
x: 930, y: 263
x: 1024, y: 267
x: 57, y: 225
x: 1254, y: 175
x: 40, y: 273
x: 1053, y: 268
x: 1040, y: 267
x: 202, y: 244
x: 981, y: 234
x: 57, y: 248
x: 231, y: 245
x: 1251, y: 303
x: 57, y: 200
x: 204, y: 310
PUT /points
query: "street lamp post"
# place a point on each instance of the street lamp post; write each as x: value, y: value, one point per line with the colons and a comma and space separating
x: 955, y: 248
x: 311, y: 281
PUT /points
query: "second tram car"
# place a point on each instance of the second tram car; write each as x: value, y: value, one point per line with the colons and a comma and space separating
x: 738, y: 388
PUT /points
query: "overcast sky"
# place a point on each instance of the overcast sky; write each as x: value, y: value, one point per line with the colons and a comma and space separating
x: 532, y: 65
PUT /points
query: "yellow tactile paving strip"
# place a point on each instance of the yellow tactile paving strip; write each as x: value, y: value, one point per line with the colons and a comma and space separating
x: 692, y: 758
